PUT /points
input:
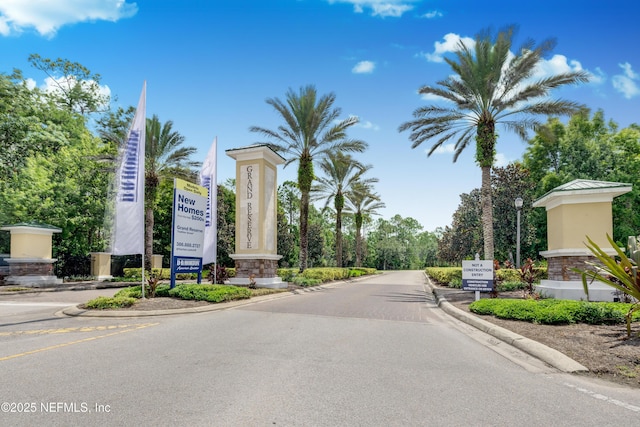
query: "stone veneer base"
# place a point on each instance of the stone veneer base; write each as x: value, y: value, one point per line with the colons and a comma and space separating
x: 32, y: 281
x: 271, y: 283
x: 31, y: 272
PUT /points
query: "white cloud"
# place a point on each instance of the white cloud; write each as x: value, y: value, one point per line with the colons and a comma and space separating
x: 433, y: 14
x: 450, y: 44
x: 364, y: 67
x: 556, y: 65
x: 47, y: 16
x: 444, y: 149
x: 381, y: 8
x: 598, y: 76
x: 388, y: 9
x: 501, y: 160
x: 31, y: 84
x: 433, y: 98
x: 627, y: 82
x: 53, y: 86
x: 368, y: 125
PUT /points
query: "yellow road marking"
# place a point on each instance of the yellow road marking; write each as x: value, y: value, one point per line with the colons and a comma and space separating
x: 53, y: 347
x: 67, y: 330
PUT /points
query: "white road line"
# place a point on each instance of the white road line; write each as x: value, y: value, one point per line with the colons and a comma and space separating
x: 604, y: 398
x: 38, y: 304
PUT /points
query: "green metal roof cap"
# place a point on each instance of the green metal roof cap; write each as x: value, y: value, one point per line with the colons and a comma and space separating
x: 33, y: 224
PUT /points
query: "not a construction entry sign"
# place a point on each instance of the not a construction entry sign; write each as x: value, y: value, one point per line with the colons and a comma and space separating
x: 477, y: 275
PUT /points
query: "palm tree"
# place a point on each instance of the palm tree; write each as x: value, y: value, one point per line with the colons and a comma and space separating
x: 490, y: 86
x: 165, y: 159
x: 362, y: 201
x: 311, y: 131
x: 342, y: 172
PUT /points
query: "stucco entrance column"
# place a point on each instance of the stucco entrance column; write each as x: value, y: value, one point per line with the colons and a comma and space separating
x: 31, y: 248
x: 101, y: 265
x: 575, y: 210
x: 256, y: 257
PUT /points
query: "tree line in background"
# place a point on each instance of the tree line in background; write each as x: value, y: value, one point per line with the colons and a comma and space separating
x: 58, y: 154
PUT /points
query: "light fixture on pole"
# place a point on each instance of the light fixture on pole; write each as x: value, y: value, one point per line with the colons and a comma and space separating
x: 518, y: 203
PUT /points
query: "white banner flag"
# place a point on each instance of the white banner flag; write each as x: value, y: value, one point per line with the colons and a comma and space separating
x: 128, y: 228
x: 208, y: 180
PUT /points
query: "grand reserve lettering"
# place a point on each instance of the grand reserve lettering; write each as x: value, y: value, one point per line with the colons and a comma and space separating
x: 249, y: 207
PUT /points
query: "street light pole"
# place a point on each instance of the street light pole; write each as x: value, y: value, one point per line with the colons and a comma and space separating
x: 518, y: 203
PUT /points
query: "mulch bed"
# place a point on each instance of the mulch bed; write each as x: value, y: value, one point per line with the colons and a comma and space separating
x: 604, y: 349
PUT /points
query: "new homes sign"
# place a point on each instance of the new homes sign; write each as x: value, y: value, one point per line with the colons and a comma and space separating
x: 189, y: 208
x: 477, y: 275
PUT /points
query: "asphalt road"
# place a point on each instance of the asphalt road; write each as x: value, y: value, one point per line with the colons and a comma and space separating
x: 376, y: 352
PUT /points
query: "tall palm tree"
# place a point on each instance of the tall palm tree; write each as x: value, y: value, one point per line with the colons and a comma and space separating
x: 341, y: 172
x: 491, y: 86
x: 165, y: 159
x: 310, y: 132
x: 362, y: 202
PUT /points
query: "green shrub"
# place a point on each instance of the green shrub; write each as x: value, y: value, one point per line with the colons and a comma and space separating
x: 552, y: 311
x: 361, y: 271
x: 130, y: 292
x: 508, y: 275
x: 326, y: 274
x: 525, y: 310
x: 210, y: 293
x: 456, y: 282
x: 304, y: 281
x: 444, y: 275
x: 106, y: 303
x: 508, y: 286
x: 287, y: 274
x: 163, y: 290
x: 162, y: 273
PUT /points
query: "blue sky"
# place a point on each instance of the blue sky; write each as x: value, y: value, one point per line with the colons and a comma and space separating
x: 210, y: 65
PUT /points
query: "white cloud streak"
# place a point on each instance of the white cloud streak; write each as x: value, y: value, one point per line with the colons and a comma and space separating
x: 450, y: 44
x: 444, y: 149
x: 433, y: 14
x: 364, y: 67
x: 48, y: 16
x: 381, y: 8
x: 368, y: 125
x: 627, y: 82
x: 557, y: 64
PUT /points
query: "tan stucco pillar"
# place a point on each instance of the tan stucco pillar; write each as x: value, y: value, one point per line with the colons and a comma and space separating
x: 101, y: 265
x: 156, y: 261
x: 576, y: 210
x: 31, y: 262
x: 256, y: 252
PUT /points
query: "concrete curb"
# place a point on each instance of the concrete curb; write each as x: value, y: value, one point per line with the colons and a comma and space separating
x: 546, y: 354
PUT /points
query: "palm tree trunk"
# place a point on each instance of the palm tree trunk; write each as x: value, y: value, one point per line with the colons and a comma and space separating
x: 487, y: 213
x: 358, y: 240
x: 339, y: 238
x: 305, y: 178
x: 339, y: 205
x: 304, y: 235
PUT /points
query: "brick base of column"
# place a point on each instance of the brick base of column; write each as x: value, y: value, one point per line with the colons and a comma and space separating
x: 31, y: 272
x: 560, y: 267
x: 258, y: 268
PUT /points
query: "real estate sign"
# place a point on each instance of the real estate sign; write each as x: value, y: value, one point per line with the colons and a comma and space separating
x: 477, y: 275
x: 187, y: 234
